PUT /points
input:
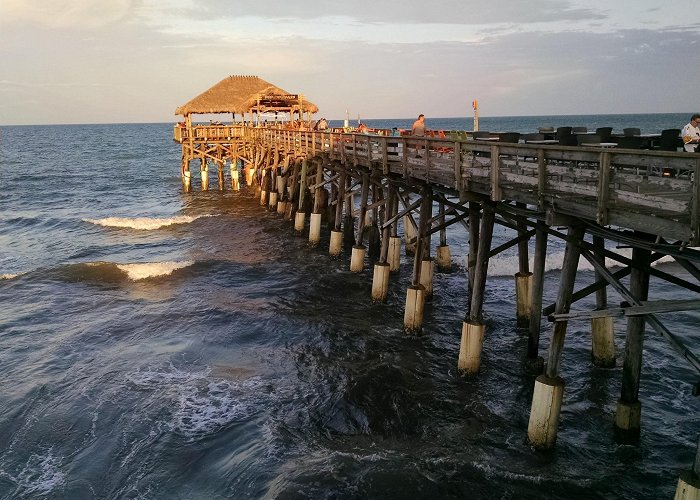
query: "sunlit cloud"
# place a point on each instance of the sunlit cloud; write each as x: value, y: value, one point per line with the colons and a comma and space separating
x: 87, y: 14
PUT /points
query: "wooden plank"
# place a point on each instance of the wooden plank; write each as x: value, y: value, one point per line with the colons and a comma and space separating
x: 603, y: 189
x: 645, y: 307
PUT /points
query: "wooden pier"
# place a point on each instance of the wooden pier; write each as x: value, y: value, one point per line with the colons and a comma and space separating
x: 371, y: 189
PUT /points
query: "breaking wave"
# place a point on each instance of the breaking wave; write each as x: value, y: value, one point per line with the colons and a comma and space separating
x: 144, y: 223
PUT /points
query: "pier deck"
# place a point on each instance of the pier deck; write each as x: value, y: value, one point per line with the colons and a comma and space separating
x: 646, y: 200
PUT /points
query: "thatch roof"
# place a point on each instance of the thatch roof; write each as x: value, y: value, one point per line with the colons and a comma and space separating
x: 241, y: 94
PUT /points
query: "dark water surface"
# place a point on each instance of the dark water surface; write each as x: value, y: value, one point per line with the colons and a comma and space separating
x: 161, y: 345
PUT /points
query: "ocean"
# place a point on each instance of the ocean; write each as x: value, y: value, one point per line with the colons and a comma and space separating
x: 161, y: 345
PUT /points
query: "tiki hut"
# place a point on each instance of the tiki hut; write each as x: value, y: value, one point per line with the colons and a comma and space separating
x: 246, y: 94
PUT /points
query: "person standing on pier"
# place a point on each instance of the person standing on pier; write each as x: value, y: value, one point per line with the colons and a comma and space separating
x: 418, y: 127
x: 691, y: 134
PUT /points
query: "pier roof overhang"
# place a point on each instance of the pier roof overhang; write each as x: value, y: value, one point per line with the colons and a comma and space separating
x: 245, y: 94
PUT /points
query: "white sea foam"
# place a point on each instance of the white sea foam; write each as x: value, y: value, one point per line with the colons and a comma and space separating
x: 40, y: 475
x: 144, y: 223
x: 147, y: 270
x: 10, y: 276
x: 200, y: 403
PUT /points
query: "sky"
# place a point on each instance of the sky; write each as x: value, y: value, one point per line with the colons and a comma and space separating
x: 122, y: 61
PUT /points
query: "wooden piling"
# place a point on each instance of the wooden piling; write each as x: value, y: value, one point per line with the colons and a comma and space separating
x: 415, y: 295
x: 688, y: 487
x: 549, y: 388
x: 533, y: 360
x: 602, y: 330
x: 473, y: 330
x: 628, y: 414
x: 357, y: 262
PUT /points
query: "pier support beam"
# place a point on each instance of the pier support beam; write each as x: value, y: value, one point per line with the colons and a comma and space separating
x: 300, y: 217
x: 473, y: 328
x: 235, y: 183
x: 523, y: 279
x: 442, y: 252
x: 249, y: 174
x: 689, y: 481
x: 549, y: 388
x: 314, y: 230
x: 336, y: 244
x: 410, y: 234
x: 220, y: 173
x: 319, y: 202
x: 394, y: 251
x: 380, y: 282
x: 204, y: 173
x: 474, y: 228
x: 380, y: 279
x: 335, y: 248
x: 415, y: 295
x: 357, y: 262
x: 533, y: 360
x: 602, y: 330
x: 629, y: 408
x: 523, y: 298
x: 394, y: 255
x: 265, y: 186
x: 186, y: 175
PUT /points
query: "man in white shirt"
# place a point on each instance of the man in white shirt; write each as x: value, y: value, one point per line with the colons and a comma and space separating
x: 691, y: 134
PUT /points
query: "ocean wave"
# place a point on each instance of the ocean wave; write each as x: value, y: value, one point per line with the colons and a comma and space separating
x: 146, y: 270
x: 111, y: 272
x: 10, y: 276
x: 144, y: 223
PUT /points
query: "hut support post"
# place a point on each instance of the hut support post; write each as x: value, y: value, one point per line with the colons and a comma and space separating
x: 523, y: 279
x: 357, y: 259
x: 336, y: 244
x: 629, y: 408
x: 186, y: 174
x: 415, y: 295
x: 602, y: 330
x: 204, y: 172
x: 472, y: 328
x: 444, y: 259
x: 220, y: 173
x: 549, y: 387
x: 235, y: 182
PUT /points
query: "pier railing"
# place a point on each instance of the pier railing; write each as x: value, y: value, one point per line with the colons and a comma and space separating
x: 656, y: 192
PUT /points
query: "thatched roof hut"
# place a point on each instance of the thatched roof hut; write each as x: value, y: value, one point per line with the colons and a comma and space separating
x: 246, y: 94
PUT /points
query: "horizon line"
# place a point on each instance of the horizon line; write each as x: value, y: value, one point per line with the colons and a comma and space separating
x: 351, y: 119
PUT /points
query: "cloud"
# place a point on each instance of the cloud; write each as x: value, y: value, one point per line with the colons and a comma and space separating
x: 82, y: 14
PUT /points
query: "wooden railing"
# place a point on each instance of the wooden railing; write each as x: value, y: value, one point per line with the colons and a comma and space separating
x: 208, y: 132
x: 656, y: 192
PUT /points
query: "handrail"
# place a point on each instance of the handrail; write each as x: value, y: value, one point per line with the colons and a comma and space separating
x: 626, y: 188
